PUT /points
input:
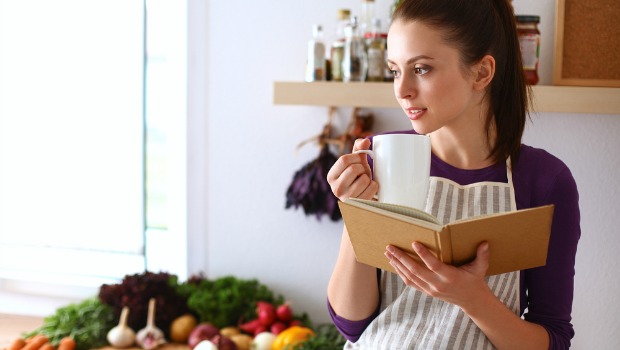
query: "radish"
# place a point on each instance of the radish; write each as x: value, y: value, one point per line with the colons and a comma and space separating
x: 266, y: 317
x: 260, y: 329
x: 295, y: 323
x: 250, y: 326
x: 266, y: 313
x: 284, y: 313
x: 277, y: 327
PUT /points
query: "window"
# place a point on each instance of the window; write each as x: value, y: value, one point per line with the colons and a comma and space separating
x: 71, y: 142
x: 94, y: 142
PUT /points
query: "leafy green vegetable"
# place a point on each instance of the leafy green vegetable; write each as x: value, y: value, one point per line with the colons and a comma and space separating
x: 327, y: 338
x: 87, y: 322
x: 135, y: 291
x: 227, y: 300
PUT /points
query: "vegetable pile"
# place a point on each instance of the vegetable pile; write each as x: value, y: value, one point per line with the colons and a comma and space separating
x: 150, y: 309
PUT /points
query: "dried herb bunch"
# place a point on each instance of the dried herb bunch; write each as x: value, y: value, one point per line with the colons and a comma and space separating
x: 310, y: 190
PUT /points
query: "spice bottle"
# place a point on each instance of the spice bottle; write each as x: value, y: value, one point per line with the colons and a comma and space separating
x: 368, y: 13
x: 375, y: 44
x: 355, y: 61
x: 337, y: 48
x: 316, y: 65
x: 529, y: 41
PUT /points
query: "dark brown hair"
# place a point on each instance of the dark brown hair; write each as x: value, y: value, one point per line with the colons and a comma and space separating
x: 478, y: 28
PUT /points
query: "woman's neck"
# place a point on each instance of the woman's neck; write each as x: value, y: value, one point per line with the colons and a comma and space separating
x: 465, y: 148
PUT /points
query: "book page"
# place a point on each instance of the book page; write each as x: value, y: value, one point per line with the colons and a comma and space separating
x: 399, y: 209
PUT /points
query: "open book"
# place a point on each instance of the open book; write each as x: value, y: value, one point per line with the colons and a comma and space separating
x: 517, y: 240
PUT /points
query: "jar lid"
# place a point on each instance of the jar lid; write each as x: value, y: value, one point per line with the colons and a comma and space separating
x: 528, y: 18
x: 344, y: 14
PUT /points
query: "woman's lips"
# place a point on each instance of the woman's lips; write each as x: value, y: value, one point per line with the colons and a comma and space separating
x: 415, y: 113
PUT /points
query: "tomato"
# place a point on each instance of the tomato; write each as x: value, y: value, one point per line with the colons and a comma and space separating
x: 291, y: 337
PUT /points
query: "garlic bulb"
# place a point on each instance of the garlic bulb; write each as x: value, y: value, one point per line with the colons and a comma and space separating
x: 150, y: 336
x: 122, y: 336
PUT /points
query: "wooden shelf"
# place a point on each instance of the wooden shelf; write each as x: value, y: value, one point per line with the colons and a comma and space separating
x: 561, y: 99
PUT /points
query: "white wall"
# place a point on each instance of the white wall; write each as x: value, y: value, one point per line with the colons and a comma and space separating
x: 251, y: 160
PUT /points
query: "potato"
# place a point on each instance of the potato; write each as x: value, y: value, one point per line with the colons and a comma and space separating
x: 243, y: 341
x: 181, y: 327
x: 228, y: 331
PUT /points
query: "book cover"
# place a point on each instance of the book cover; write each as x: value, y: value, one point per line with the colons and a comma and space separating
x: 517, y: 240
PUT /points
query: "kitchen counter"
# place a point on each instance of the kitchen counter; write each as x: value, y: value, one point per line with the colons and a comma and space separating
x: 12, y: 326
x: 167, y: 346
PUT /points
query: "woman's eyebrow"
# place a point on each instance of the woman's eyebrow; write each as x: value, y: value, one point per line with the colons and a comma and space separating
x: 413, y: 59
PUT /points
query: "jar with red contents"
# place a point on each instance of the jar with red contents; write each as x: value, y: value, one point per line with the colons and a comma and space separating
x: 529, y: 41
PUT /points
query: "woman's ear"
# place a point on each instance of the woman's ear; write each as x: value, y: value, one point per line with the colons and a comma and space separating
x: 484, y: 70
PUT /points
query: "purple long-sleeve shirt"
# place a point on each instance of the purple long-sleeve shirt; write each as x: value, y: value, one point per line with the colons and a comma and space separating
x: 539, y: 178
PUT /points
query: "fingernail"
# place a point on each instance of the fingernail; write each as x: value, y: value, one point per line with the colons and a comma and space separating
x: 390, y: 249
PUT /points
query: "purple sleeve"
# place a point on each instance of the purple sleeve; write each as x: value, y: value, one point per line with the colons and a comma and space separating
x: 547, y: 292
x: 351, y: 330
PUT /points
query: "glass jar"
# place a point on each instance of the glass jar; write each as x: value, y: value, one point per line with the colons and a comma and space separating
x: 375, y: 50
x: 529, y: 41
x: 337, y: 48
x: 355, y: 60
x: 316, y: 66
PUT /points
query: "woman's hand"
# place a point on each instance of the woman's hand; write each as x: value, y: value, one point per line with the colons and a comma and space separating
x: 351, y: 177
x: 464, y: 286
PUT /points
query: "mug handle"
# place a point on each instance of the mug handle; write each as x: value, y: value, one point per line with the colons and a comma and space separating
x: 371, y: 153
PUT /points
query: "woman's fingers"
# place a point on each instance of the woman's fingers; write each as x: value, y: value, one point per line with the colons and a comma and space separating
x: 407, y: 268
x: 431, y: 276
x: 431, y: 262
x: 350, y: 176
x: 360, y: 144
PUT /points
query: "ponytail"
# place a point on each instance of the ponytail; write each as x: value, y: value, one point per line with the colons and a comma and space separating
x: 510, y: 95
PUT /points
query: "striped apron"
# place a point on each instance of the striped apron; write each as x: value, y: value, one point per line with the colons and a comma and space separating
x: 410, y: 319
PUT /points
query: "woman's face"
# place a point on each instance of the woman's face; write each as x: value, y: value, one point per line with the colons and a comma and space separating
x: 430, y: 82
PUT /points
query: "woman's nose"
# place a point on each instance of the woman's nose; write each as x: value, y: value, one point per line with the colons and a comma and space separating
x: 403, y: 89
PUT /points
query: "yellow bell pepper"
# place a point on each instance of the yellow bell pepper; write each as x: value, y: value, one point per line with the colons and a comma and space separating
x: 289, y: 338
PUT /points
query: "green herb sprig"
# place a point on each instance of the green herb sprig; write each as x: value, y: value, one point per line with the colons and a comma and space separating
x: 87, y: 322
x: 327, y: 338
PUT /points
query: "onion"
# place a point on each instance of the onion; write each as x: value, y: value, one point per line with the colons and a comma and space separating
x: 204, y: 331
x: 223, y: 343
x: 263, y: 341
x: 205, y: 345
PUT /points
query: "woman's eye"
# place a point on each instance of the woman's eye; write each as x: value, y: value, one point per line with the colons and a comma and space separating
x: 395, y: 73
x: 421, y: 70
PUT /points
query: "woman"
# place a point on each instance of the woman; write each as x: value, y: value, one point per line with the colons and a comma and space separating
x: 458, y: 76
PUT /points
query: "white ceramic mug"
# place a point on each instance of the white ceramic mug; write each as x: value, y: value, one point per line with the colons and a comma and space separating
x: 401, y: 166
